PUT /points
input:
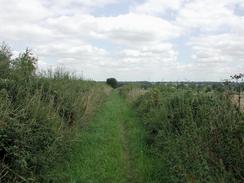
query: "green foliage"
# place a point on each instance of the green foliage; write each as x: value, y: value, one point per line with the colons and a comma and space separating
x: 199, y: 136
x: 112, y: 82
x: 38, y: 117
x: 24, y: 66
x: 5, y: 56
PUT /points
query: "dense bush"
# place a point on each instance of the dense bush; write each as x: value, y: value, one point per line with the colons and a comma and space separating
x: 38, y: 115
x: 198, y: 136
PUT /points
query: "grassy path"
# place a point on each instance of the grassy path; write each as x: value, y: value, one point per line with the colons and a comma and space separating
x: 110, y: 149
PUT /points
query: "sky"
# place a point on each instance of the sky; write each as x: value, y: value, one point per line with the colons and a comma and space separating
x: 153, y: 40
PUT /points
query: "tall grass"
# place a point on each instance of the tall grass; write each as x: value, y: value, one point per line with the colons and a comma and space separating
x: 38, y: 116
x: 131, y: 92
x: 197, y: 135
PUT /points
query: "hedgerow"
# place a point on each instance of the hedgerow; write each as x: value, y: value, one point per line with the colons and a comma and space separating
x: 39, y: 114
x: 197, y: 135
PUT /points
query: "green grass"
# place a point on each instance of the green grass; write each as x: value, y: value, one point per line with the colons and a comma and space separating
x: 110, y: 149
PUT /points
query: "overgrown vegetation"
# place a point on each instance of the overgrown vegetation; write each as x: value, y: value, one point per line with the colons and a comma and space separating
x: 131, y: 92
x: 198, y: 135
x: 39, y: 114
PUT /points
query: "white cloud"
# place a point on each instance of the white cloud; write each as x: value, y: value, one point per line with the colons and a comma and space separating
x: 73, y: 7
x: 144, y: 44
x: 84, y: 3
x: 221, y: 48
x: 208, y: 15
x: 70, y: 49
x: 19, y: 12
x: 129, y: 28
x: 157, y: 53
x: 74, y: 56
x: 222, y: 54
x: 134, y: 28
x: 25, y: 32
x: 156, y: 7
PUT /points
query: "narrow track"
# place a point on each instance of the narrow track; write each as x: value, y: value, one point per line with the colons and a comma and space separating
x: 109, y: 149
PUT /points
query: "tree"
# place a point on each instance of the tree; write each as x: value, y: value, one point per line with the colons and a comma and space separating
x: 238, y: 78
x: 5, y: 59
x: 25, y: 65
x: 112, y: 82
